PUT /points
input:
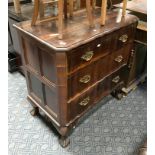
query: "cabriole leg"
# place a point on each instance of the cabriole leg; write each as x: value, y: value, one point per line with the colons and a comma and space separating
x: 64, y: 141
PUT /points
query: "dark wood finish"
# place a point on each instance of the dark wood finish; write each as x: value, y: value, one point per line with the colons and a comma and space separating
x: 101, y: 88
x: 54, y: 67
x: 109, y: 64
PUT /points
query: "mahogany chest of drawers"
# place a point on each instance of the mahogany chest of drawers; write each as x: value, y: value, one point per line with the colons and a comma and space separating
x: 65, y: 78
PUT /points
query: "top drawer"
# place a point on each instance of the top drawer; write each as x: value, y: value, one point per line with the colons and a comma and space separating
x: 88, y: 53
x: 123, y: 36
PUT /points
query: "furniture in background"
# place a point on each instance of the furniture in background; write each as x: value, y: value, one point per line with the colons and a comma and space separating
x: 14, y: 54
x: 67, y: 77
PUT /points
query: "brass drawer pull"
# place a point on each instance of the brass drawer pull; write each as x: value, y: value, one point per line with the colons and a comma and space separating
x: 85, y: 101
x: 88, y: 56
x: 119, y: 59
x: 116, y: 79
x: 85, y: 79
x: 124, y: 38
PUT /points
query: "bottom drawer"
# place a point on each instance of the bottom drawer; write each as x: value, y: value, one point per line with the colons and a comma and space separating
x: 82, y: 103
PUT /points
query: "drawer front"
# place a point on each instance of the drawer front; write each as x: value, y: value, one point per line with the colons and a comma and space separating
x: 82, y: 103
x: 120, y: 57
x: 96, y: 93
x: 97, y: 70
x: 111, y: 82
x: 124, y: 36
x: 88, y: 53
x: 118, y: 77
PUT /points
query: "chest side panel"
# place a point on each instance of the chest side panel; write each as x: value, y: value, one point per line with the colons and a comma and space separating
x: 41, y: 70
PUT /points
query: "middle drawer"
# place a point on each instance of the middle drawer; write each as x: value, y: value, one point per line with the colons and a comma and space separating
x: 97, y: 70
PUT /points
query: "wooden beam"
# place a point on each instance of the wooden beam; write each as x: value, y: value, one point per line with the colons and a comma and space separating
x: 103, y: 11
x: 124, y: 7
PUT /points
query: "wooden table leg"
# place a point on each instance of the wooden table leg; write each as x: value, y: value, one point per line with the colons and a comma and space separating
x: 35, y: 12
x: 103, y: 11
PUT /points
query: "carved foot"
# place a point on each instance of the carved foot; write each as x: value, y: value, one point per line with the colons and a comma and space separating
x: 143, y: 80
x: 64, y: 141
x: 118, y: 94
x: 34, y: 111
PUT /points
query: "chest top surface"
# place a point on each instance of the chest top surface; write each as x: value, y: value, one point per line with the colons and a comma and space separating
x: 76, y: 31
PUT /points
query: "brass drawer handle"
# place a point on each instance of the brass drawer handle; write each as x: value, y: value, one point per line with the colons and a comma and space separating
x: 85, y: 79
x: 124, y: 38
x: 119, y: 59
x: 85, y: 101
x: 116, y: 79
x: 88, y: 56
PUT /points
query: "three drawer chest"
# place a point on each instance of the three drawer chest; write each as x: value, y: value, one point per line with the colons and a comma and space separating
x: 66, y: 78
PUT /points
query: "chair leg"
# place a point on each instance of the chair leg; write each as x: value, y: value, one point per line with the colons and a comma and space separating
x: 41, y: 9
x: 65, y: 9
x: 89, y: 13
x: 124, y: 7
x: 103, y: 11
x: 60, y: 17
x: 94, y: 4
x: 71, y: 6
x: 35, y: 12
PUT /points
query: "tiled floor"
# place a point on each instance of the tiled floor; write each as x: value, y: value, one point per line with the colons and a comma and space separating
x: 112, y: 128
